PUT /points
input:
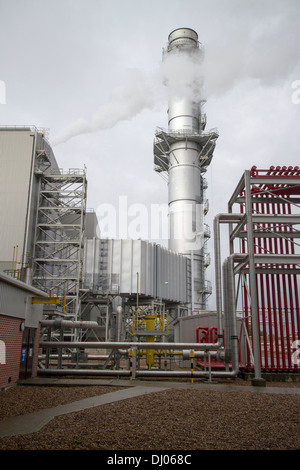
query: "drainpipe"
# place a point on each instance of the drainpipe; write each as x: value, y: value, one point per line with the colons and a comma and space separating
x: 29, y: 197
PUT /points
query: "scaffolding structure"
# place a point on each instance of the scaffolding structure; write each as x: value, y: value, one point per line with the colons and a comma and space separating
x: 59, y: 235
x: 268, y: 234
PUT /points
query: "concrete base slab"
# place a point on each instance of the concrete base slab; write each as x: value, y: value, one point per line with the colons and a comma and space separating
x: 258, y: 382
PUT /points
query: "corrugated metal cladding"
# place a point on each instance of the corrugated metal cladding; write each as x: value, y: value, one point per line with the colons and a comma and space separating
x: 15, y: 165
x: 12, y: 301
x: 15, y: 302
x: 19, y: 156
x: 112, y: 266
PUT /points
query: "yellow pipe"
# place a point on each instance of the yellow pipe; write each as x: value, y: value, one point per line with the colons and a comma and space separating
x: 137, y: 291
x: 143, y: 352
x: 13, y: 262
x: 149, y: 320
x: 150, y: 326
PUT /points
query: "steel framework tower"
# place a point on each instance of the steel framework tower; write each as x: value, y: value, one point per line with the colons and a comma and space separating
x: 58, y: 246
x: 183, y: 153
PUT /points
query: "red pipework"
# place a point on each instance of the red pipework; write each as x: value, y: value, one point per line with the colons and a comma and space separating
x: 253, y: 171
x: 278, y: 294
x: 205, y: 334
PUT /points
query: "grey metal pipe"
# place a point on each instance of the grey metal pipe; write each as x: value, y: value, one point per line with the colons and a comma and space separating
x: 200, y: 354
x: 127, y: 345
x: 225, y: 219
x: 85, y: 372
x: 231, y: 340
x: 59, y: 323
x: 226, y: 310
x: 119, y: 322
x: 185, y: 355
x: 138, y: 373
x: 183, y: 373
x: 97, y: 357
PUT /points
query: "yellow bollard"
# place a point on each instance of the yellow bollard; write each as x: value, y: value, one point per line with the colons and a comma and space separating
x: 130, y: 361
x: 192, y: 355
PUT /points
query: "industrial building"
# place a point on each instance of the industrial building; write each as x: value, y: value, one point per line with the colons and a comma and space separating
x: 19, y: 329
x: 133, y: 308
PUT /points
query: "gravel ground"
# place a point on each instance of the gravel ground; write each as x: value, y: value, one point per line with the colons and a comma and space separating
x: 174, y: 419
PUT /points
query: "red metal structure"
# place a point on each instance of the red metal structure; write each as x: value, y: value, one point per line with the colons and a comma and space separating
x: 267, y: 291
x: 278, y: 291
x: 205, y: 334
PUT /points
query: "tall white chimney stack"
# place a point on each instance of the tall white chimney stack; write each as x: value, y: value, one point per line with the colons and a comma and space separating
x: 183, y: 153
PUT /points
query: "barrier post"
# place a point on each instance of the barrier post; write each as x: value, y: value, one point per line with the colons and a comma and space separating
x: 192, y: 355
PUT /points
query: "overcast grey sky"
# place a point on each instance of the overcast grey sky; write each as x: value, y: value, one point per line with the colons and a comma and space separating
x: 96, y: 61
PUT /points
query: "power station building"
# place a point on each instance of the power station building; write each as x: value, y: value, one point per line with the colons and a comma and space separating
x: 95, y: 302
x: 50, y: 244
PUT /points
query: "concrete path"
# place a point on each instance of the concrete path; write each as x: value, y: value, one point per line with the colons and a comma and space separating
x: 214, y: 385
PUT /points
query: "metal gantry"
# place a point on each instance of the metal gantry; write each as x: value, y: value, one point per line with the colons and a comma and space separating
x: 268, y: 234
x: 58, y: 246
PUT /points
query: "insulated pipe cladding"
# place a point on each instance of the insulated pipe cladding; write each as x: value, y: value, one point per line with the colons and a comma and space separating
x: 184, y: 152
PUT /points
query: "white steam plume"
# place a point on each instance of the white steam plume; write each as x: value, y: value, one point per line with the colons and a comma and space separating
x: 233, y: 54
x: 182, y: 73
x: 126, y: 101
